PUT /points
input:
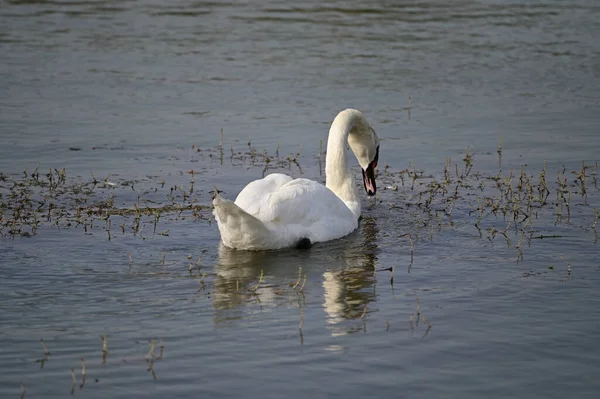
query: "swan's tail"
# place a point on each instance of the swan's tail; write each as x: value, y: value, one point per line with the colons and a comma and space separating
x: 238, y: 228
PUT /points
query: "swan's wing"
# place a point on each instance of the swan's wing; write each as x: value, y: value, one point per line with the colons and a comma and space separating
x: 308, y: 209
x: 238, y: 228
x: 255, y: 194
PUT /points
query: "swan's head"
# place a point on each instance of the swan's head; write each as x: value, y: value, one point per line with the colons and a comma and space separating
x: 365, y: 145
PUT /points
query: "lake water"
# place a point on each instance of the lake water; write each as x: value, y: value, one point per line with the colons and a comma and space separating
x: 433, y: 295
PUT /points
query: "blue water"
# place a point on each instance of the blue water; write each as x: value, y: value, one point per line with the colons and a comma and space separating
x: 130, y: 90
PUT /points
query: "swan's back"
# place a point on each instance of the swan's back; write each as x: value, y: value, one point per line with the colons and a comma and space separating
x: 256, y: 193
x: 278, y: 211
x: 302, y: 202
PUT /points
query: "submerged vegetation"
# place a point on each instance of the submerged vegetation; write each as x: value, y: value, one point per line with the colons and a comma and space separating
x: 34, y: 199
x: 517, y: 206
x: 514, y: 208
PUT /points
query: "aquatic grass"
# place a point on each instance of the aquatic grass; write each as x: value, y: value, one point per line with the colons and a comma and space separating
x: 302, y: 306
x: 191, y: 265
x: 31, y: 200
x: 162, y: 349
x: 74, y: 381
x: 418, y: 307
x: 515, y: 206
x: 301, y: 289
x: 150, y: 354
x: 28, y: 203
x: 201, y: 282
x: 520, y: 200
x: 151, y: 357
x: 260, y: 279
x: 298, y: 280
x: 47, y: 354
x: 104, y: 349
x: 83, y: 373
x: 414, y: 322
x: 363, y: 317
x: 499, y: 151
x: 594, y: 225
x: 46, y: 351
x: 426, y: 322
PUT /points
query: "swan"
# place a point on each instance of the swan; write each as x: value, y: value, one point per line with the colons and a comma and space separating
x: 278, y: 211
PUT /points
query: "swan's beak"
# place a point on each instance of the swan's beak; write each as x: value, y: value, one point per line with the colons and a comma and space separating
x: 369, y: 176
x: 369, y: 179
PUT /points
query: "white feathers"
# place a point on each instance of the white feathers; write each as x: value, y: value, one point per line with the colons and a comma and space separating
x: 278, y: 211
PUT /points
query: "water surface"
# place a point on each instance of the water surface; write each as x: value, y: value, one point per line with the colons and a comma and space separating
x: 131, y: 90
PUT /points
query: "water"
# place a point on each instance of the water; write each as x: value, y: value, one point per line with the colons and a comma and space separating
x: 125, y: 89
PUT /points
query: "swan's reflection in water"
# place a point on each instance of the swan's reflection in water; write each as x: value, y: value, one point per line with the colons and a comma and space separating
x: 352, y: 287
x: 347, y: 267
x: 238, y: 273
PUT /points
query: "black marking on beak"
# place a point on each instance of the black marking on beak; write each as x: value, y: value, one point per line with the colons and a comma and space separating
x: 369, y: 176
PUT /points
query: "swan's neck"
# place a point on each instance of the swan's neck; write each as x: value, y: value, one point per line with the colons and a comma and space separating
x: 338, y: 177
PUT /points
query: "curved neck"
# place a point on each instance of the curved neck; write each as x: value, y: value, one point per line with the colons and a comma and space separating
x: 338, y: 177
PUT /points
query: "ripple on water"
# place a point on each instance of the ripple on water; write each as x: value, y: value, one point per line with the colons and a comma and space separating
x: 143, y: 88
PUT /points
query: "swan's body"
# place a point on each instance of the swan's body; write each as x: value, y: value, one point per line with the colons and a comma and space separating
x: 285, y: 211
x: 278, y: 211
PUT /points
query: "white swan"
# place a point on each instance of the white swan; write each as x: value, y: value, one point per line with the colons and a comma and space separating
x: 278, y: 211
